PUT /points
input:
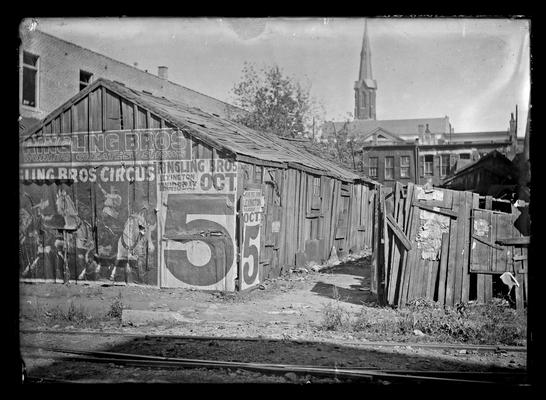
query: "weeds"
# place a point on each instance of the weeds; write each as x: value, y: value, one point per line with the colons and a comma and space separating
x: 73, y: 314
x: 116, y: 308
x: 334, y: 316
x: 492, y: 323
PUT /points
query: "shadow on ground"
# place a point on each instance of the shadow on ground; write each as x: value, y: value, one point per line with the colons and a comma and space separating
x: 355, y: 293
x: 258, y: 351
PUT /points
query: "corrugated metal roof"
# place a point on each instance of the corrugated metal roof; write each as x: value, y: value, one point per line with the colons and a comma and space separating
x: 223, y: 134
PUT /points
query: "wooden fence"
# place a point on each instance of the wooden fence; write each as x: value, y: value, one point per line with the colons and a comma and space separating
x: 446, y: 246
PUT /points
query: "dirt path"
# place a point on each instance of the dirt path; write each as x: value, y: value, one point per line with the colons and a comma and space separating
x: 289, y: 310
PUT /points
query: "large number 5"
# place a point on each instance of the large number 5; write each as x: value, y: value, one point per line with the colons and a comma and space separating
x: 193, y: 223
x: 250, y: 251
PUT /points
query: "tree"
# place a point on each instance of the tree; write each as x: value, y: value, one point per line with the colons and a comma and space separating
x: 339, y: 148
x: 276, y: 103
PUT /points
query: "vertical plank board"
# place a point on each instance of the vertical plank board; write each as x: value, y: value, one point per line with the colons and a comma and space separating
x: 127, y: 115
x: 417, y: 265
x: 466, y: 255
x: 392, y: 247
x: 291, y: 235
x: 488, y: 288
x: 382, y: 267
x: 397, y: 249
x: 519, y: 291
x: 361, y: 243
x: 375, y: 243
x: 452, y: 252
x: 302, y: 209
x: 95, y: 110
x: 463, y: 223
x: 367, y: 222
x: 334, y: 212
x: 283, y: 217
x: 142, y: 120
x: 155, y: 123
x: 285, y: 221
x: 429, y: 286
x: 113, y: 111
x: 444, y: 255
x: 412, y: 224
x: 504, y: 229
x: 325, y: 209
x: 404, y: 272
x: 480, y: 281
x: 488, y: 202
x: 66, y: 122
x: 80, y: 115
x: 408, y: 208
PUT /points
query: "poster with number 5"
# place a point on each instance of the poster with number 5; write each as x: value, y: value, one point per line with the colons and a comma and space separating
x: 252, y: 203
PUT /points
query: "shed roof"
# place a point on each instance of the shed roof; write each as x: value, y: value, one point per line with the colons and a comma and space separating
x: 496, y: 155
x: 246, y: 144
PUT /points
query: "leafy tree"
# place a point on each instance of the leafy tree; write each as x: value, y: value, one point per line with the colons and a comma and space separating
x: 280, y: 105
x: 276, y: 103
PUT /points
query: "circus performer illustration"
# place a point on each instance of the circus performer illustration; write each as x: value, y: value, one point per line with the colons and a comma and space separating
x: 112, y: 202
x: 36, y: 241
x: 134, y: 244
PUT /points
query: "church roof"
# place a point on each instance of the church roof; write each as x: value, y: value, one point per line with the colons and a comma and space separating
x: 495, y: 136
x: 400, y: 127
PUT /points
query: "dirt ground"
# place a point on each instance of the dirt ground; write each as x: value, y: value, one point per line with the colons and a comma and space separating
x: 286, y: 314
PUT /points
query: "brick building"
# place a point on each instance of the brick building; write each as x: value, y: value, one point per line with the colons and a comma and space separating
x: 52, y: 70
x: 418, y: 150
x: 387, y: 158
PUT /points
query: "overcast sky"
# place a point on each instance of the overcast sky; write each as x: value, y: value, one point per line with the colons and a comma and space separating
x: 473, y: 70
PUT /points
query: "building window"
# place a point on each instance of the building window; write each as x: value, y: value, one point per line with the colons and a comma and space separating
x: 464, y: 156
x: 444, y: 164
x: 30, y: 79
x: 389, y: 167
x: 404, y: 167
x: 85, y: 79
x: 373, y: 167
x: 428, y: 164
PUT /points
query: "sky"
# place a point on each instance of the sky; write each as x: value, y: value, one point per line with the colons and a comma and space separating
x: 475, y: 71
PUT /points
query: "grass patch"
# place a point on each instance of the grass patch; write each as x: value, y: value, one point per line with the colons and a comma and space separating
x: 71, y: 314
x: 494, y: 323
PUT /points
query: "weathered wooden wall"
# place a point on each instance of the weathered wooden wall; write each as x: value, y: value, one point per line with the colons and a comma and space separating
x: 307, y: 210
x: 306, y: 215
x: 446, y: 246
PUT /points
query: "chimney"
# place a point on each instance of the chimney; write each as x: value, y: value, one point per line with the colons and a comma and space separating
x: 163, y: 72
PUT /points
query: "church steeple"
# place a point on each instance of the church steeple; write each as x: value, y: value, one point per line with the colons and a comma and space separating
x: 365, y: 86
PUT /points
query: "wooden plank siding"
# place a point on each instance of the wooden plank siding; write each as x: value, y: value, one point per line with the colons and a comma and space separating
x: 345, y: 206
x: 450, y: 277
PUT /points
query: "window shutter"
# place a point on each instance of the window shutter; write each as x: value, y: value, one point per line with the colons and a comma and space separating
x: 422, y: 166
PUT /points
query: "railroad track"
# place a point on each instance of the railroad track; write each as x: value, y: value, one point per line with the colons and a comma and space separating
x: 374, y: 344
x: 359, y: 374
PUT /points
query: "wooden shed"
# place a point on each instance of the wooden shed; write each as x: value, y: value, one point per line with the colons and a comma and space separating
x: 123, y: 185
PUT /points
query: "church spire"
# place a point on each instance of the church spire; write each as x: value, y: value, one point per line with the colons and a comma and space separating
x: 365, y: 86
x: 365, y: 56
